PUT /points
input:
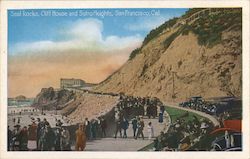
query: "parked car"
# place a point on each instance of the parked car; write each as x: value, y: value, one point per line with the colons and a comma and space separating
x: 219, y: 144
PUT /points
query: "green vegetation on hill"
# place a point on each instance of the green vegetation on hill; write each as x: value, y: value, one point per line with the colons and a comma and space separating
x: 134, y: 53
x: 191, y: 11
x: 209, y: 28
x: 172, y: 37
x: 155, y: 32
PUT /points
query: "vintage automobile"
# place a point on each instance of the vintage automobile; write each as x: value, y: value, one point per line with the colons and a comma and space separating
x: 194, y: 100
x: 219, y: 144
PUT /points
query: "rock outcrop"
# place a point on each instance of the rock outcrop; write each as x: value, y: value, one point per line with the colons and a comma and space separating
x: 51, y: 99
x: 88, y: 105
x: 20, y: 98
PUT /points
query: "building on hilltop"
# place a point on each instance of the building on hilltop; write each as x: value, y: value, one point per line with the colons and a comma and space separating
x: 71, y: 83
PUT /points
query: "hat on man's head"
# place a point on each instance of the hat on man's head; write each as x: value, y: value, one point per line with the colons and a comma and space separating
x: 17, y: 126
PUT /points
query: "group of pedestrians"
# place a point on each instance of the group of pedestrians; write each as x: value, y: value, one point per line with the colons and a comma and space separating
x: 138, y: 125
x: 39, y: 136
x: 95, y: 128
x: 184, y: 133
x: 138, y: 106
x: 133, y: 108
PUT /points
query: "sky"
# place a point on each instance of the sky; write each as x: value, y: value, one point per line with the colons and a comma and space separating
x: 46, y: 45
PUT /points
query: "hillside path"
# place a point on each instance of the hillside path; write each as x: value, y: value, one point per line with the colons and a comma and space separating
x: 210, y: 117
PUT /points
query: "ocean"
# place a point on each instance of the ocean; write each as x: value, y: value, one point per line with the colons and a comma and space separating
x: 20, y: 103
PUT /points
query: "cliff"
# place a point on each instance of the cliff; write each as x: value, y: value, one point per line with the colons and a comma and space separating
x: 51, y: 99
x: 185, y: 57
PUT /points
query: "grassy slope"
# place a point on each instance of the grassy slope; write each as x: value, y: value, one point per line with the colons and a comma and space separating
x: 177, y: 113
x: 174, y: 114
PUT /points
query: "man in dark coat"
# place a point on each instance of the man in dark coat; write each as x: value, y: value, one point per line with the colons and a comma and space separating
x: 148, y: 111
x: 140, y: 128
x: 16, y: 138
x: 103, y: 127
x: 40, y: 125
x: 58, y: 139
x: 124, y: 126
x: 134, y: 125
x: 87, y: 126
x: 48, y: 138
x: 24, y: 139
x: 160, y: 117
x: 94, y: 125
x: 118, y: 128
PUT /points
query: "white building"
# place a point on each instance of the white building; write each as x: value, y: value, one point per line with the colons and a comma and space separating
x: 71, y: 83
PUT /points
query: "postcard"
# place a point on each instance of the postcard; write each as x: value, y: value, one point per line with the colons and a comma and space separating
x: 124, y: 79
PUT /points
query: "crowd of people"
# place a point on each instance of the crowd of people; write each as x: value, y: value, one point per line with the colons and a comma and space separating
x: 40, y: 136
x: 201, y: 105
x: 95, y: 128
x: 218, y: 110
x: 134, y: 109
x: 183, y: 134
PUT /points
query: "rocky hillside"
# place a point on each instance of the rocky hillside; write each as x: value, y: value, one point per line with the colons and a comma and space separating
x: 51, y: 99
x: 179, y: 59
x: 75, y: 105
x: 88, y: 105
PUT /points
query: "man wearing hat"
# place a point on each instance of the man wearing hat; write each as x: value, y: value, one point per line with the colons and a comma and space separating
x: 40, y: 125
x: 140, y: 125
x: 23, y: 139
x: 134, y: 125
x: 16, y: 137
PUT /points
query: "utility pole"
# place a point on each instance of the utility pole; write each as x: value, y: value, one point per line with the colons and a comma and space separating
x: 173, y: 93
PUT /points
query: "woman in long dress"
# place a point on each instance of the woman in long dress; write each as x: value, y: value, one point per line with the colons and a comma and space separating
x: 80, y: 138
x: 150, y: 131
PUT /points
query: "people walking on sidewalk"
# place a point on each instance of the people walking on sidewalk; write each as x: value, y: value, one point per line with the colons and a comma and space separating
x: 161, y: 117
x: 103, y: 127
x: 118, y: 128
x: 134, y: 126
x: 124, y: 126
x: 140, y: 128
x: 80, y: 138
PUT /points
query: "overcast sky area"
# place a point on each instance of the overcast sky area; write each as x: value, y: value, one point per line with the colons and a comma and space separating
x: 90, y: 44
